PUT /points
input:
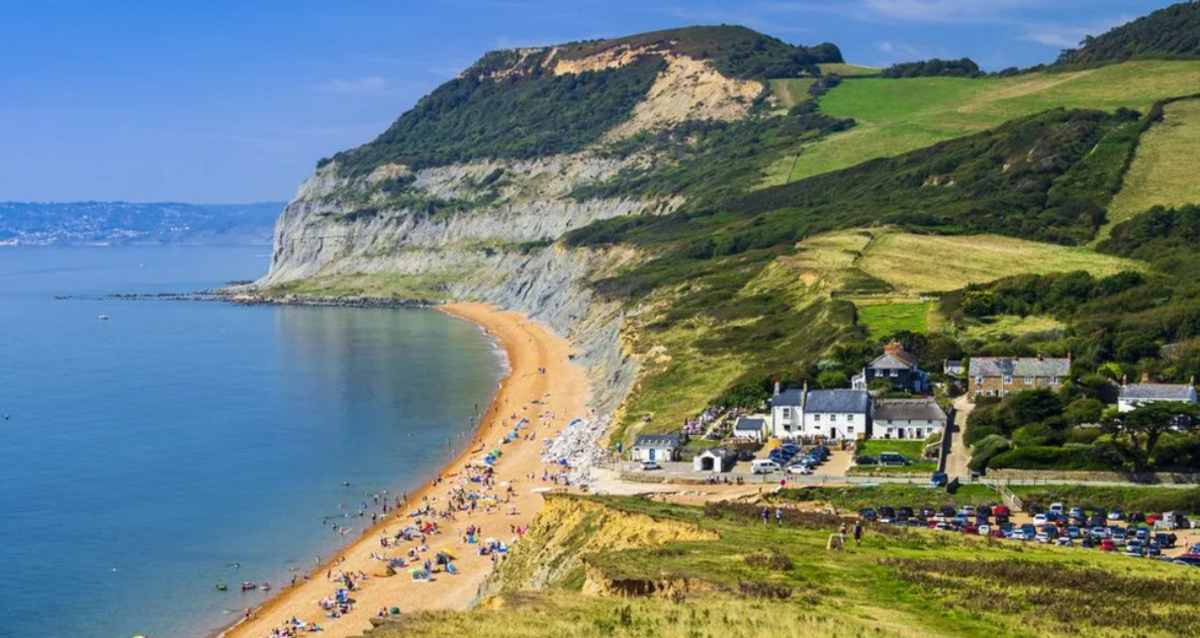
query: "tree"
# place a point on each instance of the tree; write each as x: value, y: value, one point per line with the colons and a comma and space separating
x: 1083, y: 411
x: 1150, y: 421
x: 833, y: 379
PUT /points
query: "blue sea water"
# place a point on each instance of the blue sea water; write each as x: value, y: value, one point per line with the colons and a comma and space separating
x: 145, y: 454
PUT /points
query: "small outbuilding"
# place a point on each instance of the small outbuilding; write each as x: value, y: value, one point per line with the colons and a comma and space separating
x: 750, y: 429
x: 718, y: 459
x: 657, y: 447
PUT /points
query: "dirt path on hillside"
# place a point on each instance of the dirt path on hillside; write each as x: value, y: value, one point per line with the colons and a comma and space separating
x: 959, y: 459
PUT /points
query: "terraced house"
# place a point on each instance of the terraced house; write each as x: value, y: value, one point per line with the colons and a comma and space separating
x: 998, y: 376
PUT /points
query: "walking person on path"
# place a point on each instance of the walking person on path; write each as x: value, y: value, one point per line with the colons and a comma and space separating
x: 858, y: 530
x: 766, y: 515
x: 779, y: 516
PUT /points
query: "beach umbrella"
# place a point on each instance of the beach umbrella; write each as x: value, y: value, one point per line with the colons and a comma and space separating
x: 449, y: 553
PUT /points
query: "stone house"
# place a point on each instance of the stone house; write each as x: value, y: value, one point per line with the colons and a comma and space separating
x: 999, y: 376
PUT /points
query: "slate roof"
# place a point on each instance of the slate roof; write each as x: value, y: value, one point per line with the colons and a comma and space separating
x: 893, y: 361
x: 1019, y: 367
x: 905, y: 409
x: 791, y: 398
x: 745, y: 424
x: 838, y: 401
x: 1156, y: 392
x: 721, y: 453
x: 658, y: 440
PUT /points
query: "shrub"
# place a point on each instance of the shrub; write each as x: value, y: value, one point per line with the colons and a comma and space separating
x: 1082, y: 458
x: 987, y: 449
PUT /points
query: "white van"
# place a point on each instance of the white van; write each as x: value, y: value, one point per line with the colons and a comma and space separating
x: 764, y: 466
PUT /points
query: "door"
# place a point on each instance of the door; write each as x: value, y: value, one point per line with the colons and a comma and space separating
x: 652, y: 451
x: 833, y: 433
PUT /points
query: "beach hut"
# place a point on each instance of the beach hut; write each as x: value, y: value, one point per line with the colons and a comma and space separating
x: 657, y: 447
x: 718, y: 459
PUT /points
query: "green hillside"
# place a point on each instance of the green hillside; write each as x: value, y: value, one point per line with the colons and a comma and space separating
x: 754, y: 580
x: 1169, y: 33
x: 898, y: 115
x: 1164, y: 170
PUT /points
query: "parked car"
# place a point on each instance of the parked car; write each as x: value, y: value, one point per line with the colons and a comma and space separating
x: 926, y: 512
x: 868, y: 513
x: 799, y: 468
x: 1001, y: 510
x: 1058, y: 508
x: 650, y: 466
x: 904, y: 512
x: 1074, y: 532
x: 984, y: 530
x: 1192, y: 560
x: 1116, y: 515
x: 1039, y: 520
x: 745, y: 456
x: 865, y: 460
x: 1065, y: 541
x: 1166, y: 540
x: 939, y: 479
x: 764, y: 466
x: 1018, y: 535
x: 1107, y: 545
x: 1043, y: 537
x: 996, y: 532
x: 1076, y: 513
x: 969, y: 510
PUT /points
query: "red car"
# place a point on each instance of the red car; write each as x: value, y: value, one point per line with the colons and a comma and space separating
x: 970, y: 529
x: 1108, y: 545
x: 997, y: 533
x: 1001, y: 510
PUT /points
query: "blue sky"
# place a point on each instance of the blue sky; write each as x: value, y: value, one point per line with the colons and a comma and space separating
x: 222, y: 101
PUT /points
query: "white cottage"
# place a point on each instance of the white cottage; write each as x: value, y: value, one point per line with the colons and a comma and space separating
x: 907, y: 419
x: 837, y: 414
x: 1135, y: 394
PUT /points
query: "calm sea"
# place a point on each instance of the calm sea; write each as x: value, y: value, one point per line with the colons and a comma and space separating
x: 144, y: 455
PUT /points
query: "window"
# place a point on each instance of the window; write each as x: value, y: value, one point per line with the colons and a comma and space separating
x: 850, y: 429
x: 1008, y: 378
x: 889, y: 421
x: 1054, y: 380
x: 832, y: 418
x: 979, y: 380
x: 920, y: 433
x: 816, y: 417
x: 787, y: 413
x: 891, y: 373
x: 1028, y: 380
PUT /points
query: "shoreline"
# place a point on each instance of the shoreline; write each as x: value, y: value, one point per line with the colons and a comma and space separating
x: 563, y: 394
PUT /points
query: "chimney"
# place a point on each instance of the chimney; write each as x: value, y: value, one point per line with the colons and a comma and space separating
x: 893, y: 348
x: 776, y: 387
x: 1145, y: 376
x: 804, y: 395
x: 1070, y: 357
x: 1124, y: 380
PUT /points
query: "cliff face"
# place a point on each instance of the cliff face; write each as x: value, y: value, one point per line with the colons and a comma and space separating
x: 465, y: 196
x: 500, y: 253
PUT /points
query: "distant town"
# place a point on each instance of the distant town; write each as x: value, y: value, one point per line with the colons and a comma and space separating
x: 125, y: 223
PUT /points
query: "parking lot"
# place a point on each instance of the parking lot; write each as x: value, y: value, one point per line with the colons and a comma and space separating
x: 1130, y: 533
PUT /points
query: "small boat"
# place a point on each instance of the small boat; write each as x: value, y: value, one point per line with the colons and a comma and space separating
x: 222, y: 587
x: 101, y: 317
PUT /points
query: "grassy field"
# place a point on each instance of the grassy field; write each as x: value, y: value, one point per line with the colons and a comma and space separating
x: 1006, y: 326
x: 925, y: 263
x: 882, y: 320
x: 792, y: 91
x: 1164, y: 170
x: 753, y: 580
x: 911, y: 449
x: 896, y: 116
x: 937, y: 263
x: 848, y: 70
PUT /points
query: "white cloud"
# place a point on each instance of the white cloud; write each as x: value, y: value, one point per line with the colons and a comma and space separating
x: 359, y: 86
x: 945, y: 11
x: 902, y: 51
x: 1068, y: 36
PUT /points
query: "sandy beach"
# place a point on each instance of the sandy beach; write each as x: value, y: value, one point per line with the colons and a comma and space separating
x: 540, y: 371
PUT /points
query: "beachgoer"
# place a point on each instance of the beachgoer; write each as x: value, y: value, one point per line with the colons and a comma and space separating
x: 766, y: 515
x: 858, y: 532
x: 779, y: 516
